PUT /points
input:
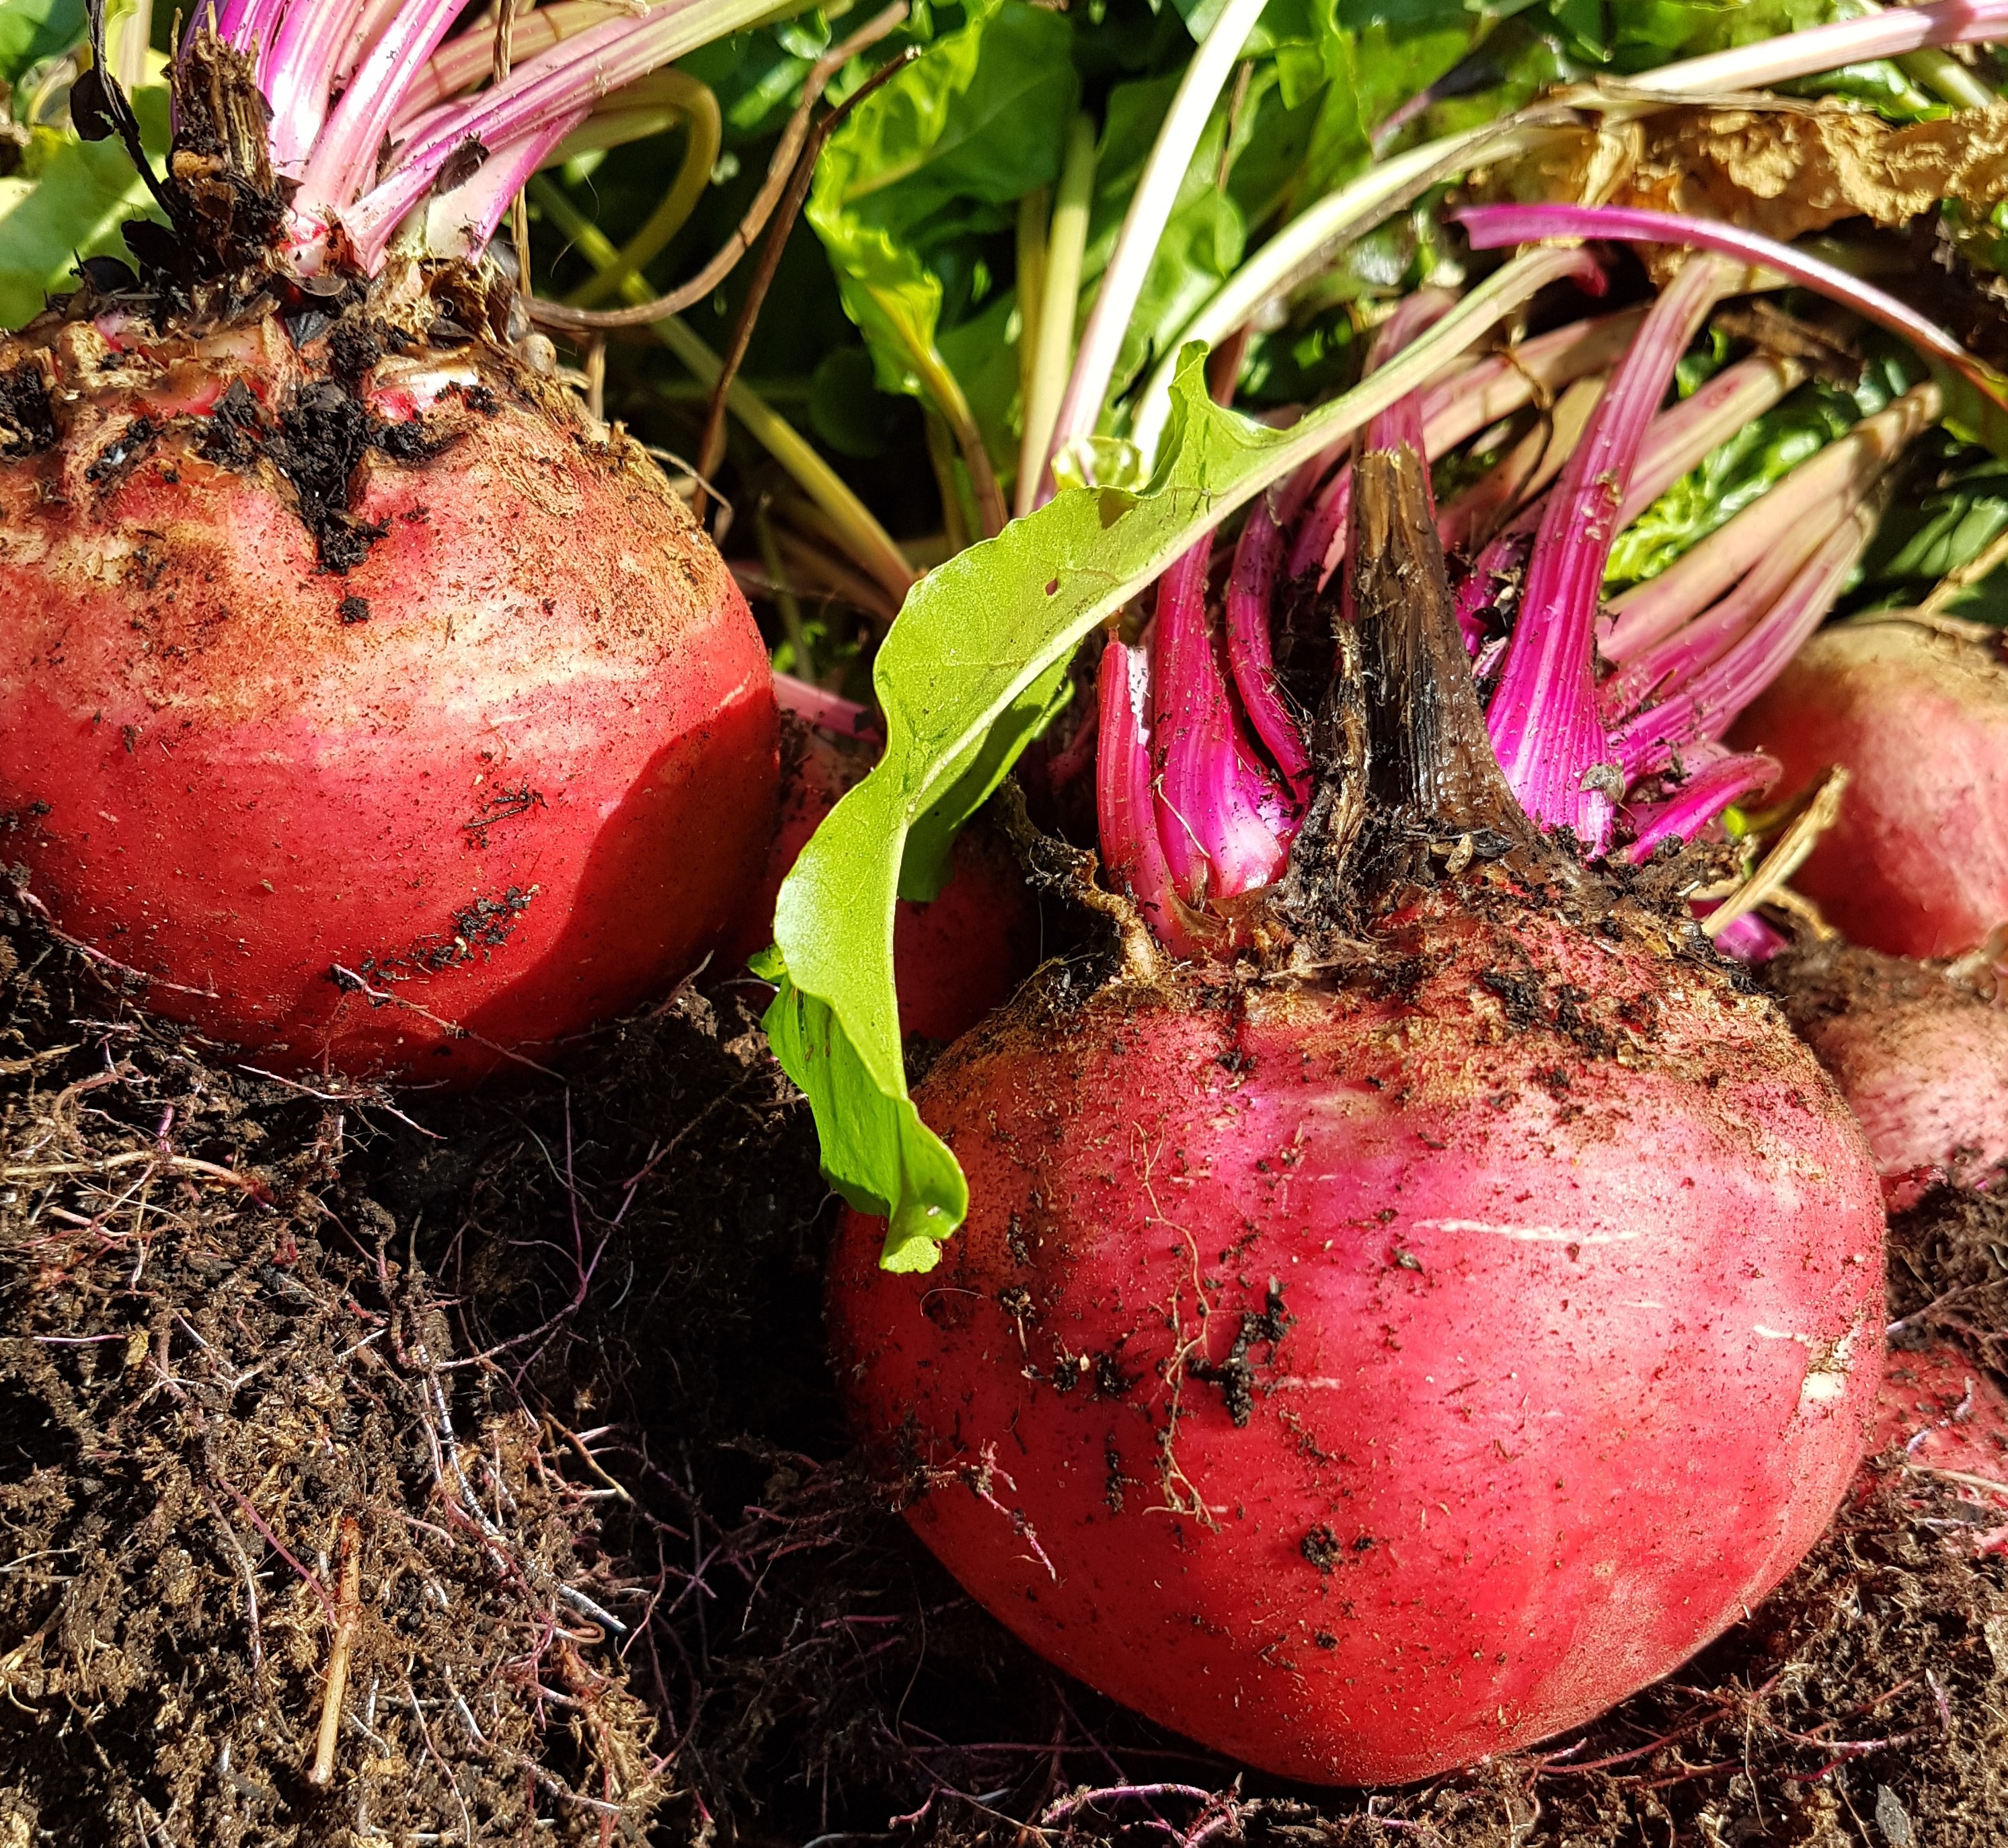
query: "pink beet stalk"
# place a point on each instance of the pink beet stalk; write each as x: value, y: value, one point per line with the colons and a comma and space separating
x: 1543, y: 719
x: 1709, y: 704
x: 366, y: 114
x: 1490, y: 226
x: 1251, y: 586
x: 1458, y: 407
x: 305, y: 54
x: 466, y: 218
x: 346, y: 153
x: 1700, y: 643
x: 1126, y: 811
x: 1643, y: 618
x: 373, y: 20
x: 1403, y: 422
x: 242, y: 23
x: 1749, y: 939
x: 1706, y: 792
x: 1678, y: 440
x: 1888, y: 32
x: 1684, y: 434
x: 1466, y: 522
x: 818, y: 706
x: 1224, y: 823
x: 1498, y: 566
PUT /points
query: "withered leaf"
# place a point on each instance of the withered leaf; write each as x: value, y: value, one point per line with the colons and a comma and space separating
x: 1781, y: 172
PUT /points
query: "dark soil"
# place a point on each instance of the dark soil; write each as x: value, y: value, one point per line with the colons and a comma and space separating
x: 235, y: 1426
x: 539, y: 1376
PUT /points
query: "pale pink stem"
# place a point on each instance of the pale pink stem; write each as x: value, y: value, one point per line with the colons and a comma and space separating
x: 241, y: 23
x: 1680, y: 437
x: 1320, y: 540
x: 1645, y: 615
x: 1886, y: 33
x: 538, y: 94
x: 1542, y: 719
x: 466, y: 59
x: 829, y: 712
x: 1700, y: 643
x: 1523, y: 470
x: 1683, y: 435
x: 1223, y: 824
x: 1489, y: 226
x: 371, y: 24
x: 298, y: 74
x: 345, y: 155
x: 470, y: 213
x: 1700, y: 800
x: 1460, y: 406
x: 1296, y: 490
x: 1250, y: 587
x: 1709, y: 706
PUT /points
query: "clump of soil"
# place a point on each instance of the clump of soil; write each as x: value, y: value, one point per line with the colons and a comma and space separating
x: 613, y: 1285
x: 280, y: 1562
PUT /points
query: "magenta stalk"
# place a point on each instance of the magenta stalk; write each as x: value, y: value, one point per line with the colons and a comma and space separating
x: 1542, y: 720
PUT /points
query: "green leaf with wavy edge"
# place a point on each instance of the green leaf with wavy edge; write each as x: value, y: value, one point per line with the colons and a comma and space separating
x: 967, y: 675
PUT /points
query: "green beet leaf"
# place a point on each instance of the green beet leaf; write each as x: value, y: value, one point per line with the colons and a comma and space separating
x: 33, y: 30
x: 970, y: 672
x: 69, y: 199
x: 929, y: 167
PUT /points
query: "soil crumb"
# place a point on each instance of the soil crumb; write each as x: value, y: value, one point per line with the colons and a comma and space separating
x: 555, y: 1357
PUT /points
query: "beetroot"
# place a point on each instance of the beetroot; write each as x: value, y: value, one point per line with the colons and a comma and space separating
x: 1917, y: 864
x: 1381, y: 1381
x: 957, y: 955
x: 382, y: 710
x: 513, y: 767
x: 1920, y: 1056
x: 1397, y: 1344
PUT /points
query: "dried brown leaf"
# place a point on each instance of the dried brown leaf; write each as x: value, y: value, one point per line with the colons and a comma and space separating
x: 1780, y: 172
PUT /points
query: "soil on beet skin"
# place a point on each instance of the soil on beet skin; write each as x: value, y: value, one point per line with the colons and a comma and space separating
x: 547, y: 1364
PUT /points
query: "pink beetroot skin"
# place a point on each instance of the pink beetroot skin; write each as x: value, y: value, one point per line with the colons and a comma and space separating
x: 1364, y: 1374
x: 1921, y: 1058
x: 957, y: 956
x: 1917, y: 864
x: 511, y: 764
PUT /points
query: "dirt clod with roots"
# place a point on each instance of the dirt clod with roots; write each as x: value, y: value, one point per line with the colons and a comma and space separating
x: 499, y: 1428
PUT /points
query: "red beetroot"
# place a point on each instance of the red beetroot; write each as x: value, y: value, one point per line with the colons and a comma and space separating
x: 1921, y: 1059
x: 513, y: 769
x: 1395, y: 1350
x: 1917, y: 864
x: 955, y: 957
x: 1385, y: 1383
